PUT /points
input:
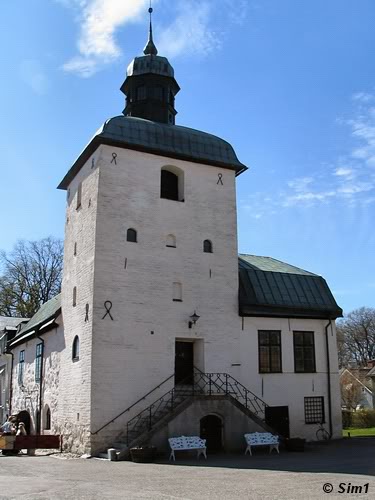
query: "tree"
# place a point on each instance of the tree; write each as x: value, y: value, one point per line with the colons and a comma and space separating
x: 30, y: 275
x: 356, y: 337
x: 351, y: 391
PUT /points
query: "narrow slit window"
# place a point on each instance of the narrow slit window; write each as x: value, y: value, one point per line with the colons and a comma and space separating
x: 47, y: 419
x: 79, y: 195
x: 75, y: 349
x: 74, y: 296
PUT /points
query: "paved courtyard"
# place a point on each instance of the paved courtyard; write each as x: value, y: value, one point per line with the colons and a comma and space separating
x: 285, y: 476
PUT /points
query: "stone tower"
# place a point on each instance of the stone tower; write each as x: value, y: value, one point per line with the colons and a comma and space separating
x: 150, y: 239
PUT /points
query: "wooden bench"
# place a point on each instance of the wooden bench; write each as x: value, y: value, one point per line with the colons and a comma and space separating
x: 261, y: 439
x: 187, y: 443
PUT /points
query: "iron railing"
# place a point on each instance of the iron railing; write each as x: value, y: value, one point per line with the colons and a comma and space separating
x: 133, y: 405
x: 208, y: 384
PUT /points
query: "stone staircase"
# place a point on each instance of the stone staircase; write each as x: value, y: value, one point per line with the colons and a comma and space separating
x: 140, y: 428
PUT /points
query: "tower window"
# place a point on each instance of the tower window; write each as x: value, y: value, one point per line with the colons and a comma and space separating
x: 79, y: 195
x: 159, y: 93
x: 75, y: 349
x: 131, y: 235
x: 172, y: 184
x: 207, y: 246
x: 177, y: 292
x: 74, y: 296
x: 171, y: 241
x: 141, y: 93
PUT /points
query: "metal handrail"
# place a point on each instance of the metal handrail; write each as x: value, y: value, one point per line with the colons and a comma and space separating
x: 217, y: 383
x: 134, y: 404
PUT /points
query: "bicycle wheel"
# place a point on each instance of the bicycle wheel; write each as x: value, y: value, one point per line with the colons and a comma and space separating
x: 322, y: 435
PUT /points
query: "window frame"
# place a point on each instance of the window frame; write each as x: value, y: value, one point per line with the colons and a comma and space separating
x: 304, y: 346
x: 38, y: 361
x: 310, y: 420
x: 269, y: 345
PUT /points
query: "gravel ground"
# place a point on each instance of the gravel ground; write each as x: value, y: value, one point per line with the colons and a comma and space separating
x: 285, y: 476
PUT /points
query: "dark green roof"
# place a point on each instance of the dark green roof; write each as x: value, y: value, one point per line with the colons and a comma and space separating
x: 47, y: 311
x: 161, y: 139
x: 269, y: 287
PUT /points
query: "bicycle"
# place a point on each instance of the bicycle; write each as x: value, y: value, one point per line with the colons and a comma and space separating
x: 322, y: 434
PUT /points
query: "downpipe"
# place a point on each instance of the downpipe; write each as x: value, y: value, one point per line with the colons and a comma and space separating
x: 329, y: 324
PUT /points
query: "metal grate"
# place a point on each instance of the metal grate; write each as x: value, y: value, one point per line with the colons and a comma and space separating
x: 314, y: 410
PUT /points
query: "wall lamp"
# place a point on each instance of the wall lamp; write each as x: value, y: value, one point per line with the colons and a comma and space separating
x: 193, y: 319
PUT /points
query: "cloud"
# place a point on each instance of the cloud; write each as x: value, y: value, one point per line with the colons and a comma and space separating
x: 350, y: 182
x: 195, y: 29
x: 32, y: 73
x: 99, y: 20
x: 190, y: 32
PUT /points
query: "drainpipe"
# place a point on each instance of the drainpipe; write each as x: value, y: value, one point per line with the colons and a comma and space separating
x: 329, y: 324
x: 39, y: 422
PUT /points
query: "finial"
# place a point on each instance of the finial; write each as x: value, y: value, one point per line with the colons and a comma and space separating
x: 150, y: 48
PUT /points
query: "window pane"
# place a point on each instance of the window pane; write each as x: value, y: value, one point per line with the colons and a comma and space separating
x: 275, y: 359
x: 275, y: 338
x: 264, y: 363
x: 263, y: 338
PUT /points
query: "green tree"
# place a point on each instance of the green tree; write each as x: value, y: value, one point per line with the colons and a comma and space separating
x: 30, y: 275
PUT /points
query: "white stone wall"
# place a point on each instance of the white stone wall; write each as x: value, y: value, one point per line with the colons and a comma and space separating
x: 79, y: 262
x: 289, y: 388
x: 26, y: 395
x: 129, y: 360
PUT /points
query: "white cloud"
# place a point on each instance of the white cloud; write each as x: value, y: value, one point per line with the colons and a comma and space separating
x: 33, y: 75
x: 190, y: 32
x: 195, y: 28
x: 350, y: 182
x: 99, y: 20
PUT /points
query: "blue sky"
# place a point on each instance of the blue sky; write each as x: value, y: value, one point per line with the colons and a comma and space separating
x: 291, y: 84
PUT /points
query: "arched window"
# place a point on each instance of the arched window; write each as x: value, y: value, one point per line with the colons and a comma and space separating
x: 131, y: 235
x: 47, y: 418
x: 172, y: 184
x: 207, y: 246
x: 177, y: 292
x: 75, y: 349
x: 171, y: 241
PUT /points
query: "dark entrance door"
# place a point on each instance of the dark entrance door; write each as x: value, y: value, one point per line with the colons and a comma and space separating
x: 184, y: 363
x: 211, y: 430
x: 277, y: 417
x: 24, y: 416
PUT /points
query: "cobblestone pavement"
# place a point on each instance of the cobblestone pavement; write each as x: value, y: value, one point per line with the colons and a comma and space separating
x: 350, y: 463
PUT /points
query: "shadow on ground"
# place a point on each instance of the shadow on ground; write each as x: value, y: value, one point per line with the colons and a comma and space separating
x: 345, y: 456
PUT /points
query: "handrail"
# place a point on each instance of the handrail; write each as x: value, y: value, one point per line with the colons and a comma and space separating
x: 132, y: 406
x: 215, y: 383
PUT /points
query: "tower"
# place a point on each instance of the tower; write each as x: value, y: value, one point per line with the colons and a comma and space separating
x: 151, y: 237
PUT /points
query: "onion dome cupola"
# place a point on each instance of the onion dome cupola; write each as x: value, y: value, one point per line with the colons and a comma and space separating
x: 150, y: 87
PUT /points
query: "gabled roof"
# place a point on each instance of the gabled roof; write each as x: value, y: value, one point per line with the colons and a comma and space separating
x: 173, y: 141
x: 46, y: 314
x: 10, y: 322
x: 269, y: 287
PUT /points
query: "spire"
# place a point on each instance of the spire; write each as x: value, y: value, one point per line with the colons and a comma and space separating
x: 150, y: 48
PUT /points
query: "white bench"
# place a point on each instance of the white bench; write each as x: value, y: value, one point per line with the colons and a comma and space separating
x: 187, y: 443
x: 261, y: 439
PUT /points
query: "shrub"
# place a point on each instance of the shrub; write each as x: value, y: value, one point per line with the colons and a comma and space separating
x: 363, y: 418
x: 347, y: 419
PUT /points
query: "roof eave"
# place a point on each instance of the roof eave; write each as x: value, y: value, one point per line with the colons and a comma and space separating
x: 99, y: 140
x: 38, y: 329
x: 266, y: 311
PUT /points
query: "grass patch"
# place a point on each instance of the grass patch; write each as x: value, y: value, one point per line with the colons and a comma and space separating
x: 370, y: 431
